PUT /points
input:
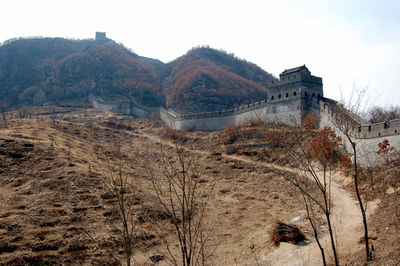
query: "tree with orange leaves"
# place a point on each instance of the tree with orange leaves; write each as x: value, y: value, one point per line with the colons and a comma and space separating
x: 387, y: 151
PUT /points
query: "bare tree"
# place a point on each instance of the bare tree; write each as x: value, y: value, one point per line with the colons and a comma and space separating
x: 317, y: 154
x: 120, y: 186
x: 3, y: 112
x: 22, y: 113
x: 53, y: 116
x: 86, y: 106
x: 381, y: 114
x: 176, y: 188
x: 347, y: 124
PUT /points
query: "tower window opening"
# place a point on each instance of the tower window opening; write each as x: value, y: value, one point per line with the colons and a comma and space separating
x: 386, y: 125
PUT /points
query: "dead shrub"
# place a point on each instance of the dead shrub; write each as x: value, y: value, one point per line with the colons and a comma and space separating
x: 176, y: 135
x: 311, y: 121
x: 232, y: 133
x: 156, y: 258
x: 286, y: 233
x: 256, y: 123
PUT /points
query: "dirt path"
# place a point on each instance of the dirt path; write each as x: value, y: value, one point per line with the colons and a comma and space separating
x: 346, y: 219
x: 347, y: 222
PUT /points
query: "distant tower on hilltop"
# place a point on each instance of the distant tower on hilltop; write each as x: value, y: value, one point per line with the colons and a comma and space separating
x: 100, y: 36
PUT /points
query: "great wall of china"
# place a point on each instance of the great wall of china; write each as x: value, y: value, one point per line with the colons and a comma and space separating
x: 366, y: 136
x: 290, y: 98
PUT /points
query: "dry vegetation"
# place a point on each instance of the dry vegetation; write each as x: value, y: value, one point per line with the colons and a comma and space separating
x: 381, y: 187
x: 56, y: 205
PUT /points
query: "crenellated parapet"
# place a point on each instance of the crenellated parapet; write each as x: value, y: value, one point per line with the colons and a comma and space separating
x: 388, y: 128
x: 361, y: 129
x: 295, y: 83
x: 296, y: 91
x: 290, y: 98
x: 366, y: 136
x: 221, y: 113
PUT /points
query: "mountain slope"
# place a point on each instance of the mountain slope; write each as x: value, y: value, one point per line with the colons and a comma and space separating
x: 35, y: 71
x: 108, y: 70
x: 28, y: 62
x: 206, y: 80
x: 58, y: 71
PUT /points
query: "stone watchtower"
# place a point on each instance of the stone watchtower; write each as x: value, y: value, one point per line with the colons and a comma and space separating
x: 101, y: 36
x: 295, y: 94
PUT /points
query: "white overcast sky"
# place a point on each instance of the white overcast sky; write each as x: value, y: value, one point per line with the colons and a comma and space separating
x: 346, y: 42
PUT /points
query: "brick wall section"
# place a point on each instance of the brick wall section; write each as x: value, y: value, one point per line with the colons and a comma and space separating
x: 295, y: 94
x: 296, y: 99
x: 367, y: 136
x: 124, y: 107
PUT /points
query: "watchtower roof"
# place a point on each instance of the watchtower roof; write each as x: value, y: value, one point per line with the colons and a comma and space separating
x: 302, y: 69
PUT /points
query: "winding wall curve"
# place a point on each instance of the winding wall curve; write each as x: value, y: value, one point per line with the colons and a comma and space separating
x: 367, y: 136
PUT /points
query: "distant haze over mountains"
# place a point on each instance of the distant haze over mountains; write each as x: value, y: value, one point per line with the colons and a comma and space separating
x: 60, y: 71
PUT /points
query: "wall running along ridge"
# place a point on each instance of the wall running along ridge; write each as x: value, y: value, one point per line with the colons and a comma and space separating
x: 366, y: 136
x: 124, y: 107
x: 296, y: 94
x: 290, y: 98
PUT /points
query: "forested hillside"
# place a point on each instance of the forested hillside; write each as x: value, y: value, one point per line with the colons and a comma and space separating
x: 37, y: 71
x: 206, y: 80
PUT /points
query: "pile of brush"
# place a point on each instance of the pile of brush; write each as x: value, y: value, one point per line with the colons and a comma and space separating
x: 287, y: 233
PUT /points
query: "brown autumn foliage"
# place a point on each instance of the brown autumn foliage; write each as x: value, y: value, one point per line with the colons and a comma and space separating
x: 37, y: 71
x: 207, y: 80
x: 311, y: 121
x: 327, y: 146
x: 387, y: 152
x: 40, y: 70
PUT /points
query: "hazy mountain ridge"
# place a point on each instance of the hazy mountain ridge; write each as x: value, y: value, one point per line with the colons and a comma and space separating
x: 40, y: 70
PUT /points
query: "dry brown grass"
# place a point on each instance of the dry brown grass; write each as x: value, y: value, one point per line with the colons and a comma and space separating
x: 381, y: 184
x: 51, y: 186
